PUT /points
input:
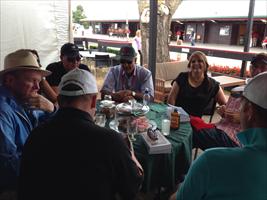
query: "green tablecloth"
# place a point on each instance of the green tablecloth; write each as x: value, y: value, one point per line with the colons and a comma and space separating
x: 165, y: 170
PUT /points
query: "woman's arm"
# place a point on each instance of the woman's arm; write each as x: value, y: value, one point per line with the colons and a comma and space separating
x: 173, y: 94
x: 220, y: 97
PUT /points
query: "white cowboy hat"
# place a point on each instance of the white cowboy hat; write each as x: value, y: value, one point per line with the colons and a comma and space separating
x: 22, y: 60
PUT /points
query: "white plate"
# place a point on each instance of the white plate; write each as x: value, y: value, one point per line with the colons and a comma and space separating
x: 114, y: 126
x: 107, y: 103
x: 139, y: 109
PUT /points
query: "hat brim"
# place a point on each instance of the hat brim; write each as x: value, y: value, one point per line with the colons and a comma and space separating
x: 72, y: 54
x: 128, y: 58
x: 44, y: 73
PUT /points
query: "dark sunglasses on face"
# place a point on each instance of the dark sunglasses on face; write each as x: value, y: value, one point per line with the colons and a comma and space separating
x: 126, y: 61
x: 73, y: 59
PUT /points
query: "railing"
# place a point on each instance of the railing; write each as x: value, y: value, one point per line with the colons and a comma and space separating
x: 221, y: 53
x: 102, y: 43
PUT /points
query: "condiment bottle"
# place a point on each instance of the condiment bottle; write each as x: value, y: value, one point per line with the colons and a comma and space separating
x: 175, y: 119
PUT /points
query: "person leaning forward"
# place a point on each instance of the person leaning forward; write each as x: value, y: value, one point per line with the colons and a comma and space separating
x: 21, y: 109
x: 235, y: 173
x: 127, y: 80
x: 70, y: 157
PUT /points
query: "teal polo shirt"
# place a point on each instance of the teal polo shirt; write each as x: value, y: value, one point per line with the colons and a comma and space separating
x: 230, y: 173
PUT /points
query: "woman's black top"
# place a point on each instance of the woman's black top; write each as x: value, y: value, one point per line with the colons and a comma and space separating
x: 194, y: 99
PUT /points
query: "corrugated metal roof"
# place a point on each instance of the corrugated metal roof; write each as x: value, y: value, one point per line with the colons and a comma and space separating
x: 118, y: 10
x: 219, y: 9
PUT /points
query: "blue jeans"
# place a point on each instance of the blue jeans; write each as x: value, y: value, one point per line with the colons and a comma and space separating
x: 210, y: 138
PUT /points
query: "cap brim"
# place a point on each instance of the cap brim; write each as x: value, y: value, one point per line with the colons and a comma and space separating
x: 128, y: 58
x: 72, y: 54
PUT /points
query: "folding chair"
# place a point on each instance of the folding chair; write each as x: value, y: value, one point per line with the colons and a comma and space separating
x: 80, y: 45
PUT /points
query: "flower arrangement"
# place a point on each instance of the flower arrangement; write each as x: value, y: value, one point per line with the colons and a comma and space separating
x: 232, y: 71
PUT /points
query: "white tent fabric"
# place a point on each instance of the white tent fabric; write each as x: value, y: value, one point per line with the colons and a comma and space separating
x: 40, y: 25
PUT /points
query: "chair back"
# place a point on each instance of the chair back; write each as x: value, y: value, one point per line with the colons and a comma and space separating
x: 159, y: 94
x: 210, y: 108
x: 80, y: 45
x: 102, y: 61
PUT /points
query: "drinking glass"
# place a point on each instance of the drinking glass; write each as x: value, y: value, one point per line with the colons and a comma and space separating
x: 108, y: 97
x: 132, y: 128
x: 100, y: 119
x: 165, y: 126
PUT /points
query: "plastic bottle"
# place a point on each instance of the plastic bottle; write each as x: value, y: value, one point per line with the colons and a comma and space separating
x: 175, y: 119
x: 146, y: 97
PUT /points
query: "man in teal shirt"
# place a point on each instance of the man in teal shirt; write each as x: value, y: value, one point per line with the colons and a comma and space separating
x: 235, y: 173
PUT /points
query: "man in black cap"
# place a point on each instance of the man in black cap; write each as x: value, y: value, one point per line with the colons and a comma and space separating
x: 127, y: 80
x: 69, y: 59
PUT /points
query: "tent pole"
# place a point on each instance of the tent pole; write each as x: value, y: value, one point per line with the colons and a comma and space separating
x: 153, y: 37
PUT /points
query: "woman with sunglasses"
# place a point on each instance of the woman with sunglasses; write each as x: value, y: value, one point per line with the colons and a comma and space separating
x: 69, y: 59
x: 127, y: 80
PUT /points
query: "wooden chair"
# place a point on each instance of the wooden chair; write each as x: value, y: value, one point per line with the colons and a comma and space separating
x: 159, y: 94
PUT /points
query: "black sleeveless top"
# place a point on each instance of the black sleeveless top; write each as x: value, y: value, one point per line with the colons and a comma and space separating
x: 194, y: 100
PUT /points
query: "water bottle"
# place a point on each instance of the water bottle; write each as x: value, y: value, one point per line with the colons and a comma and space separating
x: 146, y: 97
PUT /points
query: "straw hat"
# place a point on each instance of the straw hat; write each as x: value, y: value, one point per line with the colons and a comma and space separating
x: 22, y: 60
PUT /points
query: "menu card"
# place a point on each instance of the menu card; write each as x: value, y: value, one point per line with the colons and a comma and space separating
x: 159, y: 146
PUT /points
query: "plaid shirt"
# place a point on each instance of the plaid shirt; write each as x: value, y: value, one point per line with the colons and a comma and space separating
x: 231, y: 128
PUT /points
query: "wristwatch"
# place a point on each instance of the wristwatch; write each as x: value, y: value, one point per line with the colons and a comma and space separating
x: 133, y: 93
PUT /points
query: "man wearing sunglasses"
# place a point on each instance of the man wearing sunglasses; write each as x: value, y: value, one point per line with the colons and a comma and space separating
x: 69, y: 59
x: 127, y: 80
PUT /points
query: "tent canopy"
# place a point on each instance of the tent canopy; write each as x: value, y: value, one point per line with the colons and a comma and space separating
x: 40, y: 25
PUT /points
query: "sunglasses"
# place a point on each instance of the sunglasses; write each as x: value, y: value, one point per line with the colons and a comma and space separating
x: 73, y: 59
x: 126, y: 61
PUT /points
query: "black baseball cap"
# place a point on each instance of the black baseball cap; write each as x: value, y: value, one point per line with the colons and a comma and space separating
x: 70, y: 50
x: 127, y: 53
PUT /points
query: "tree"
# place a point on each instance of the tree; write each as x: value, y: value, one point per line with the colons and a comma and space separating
x: 78, y: 14
x: 166, y: 9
